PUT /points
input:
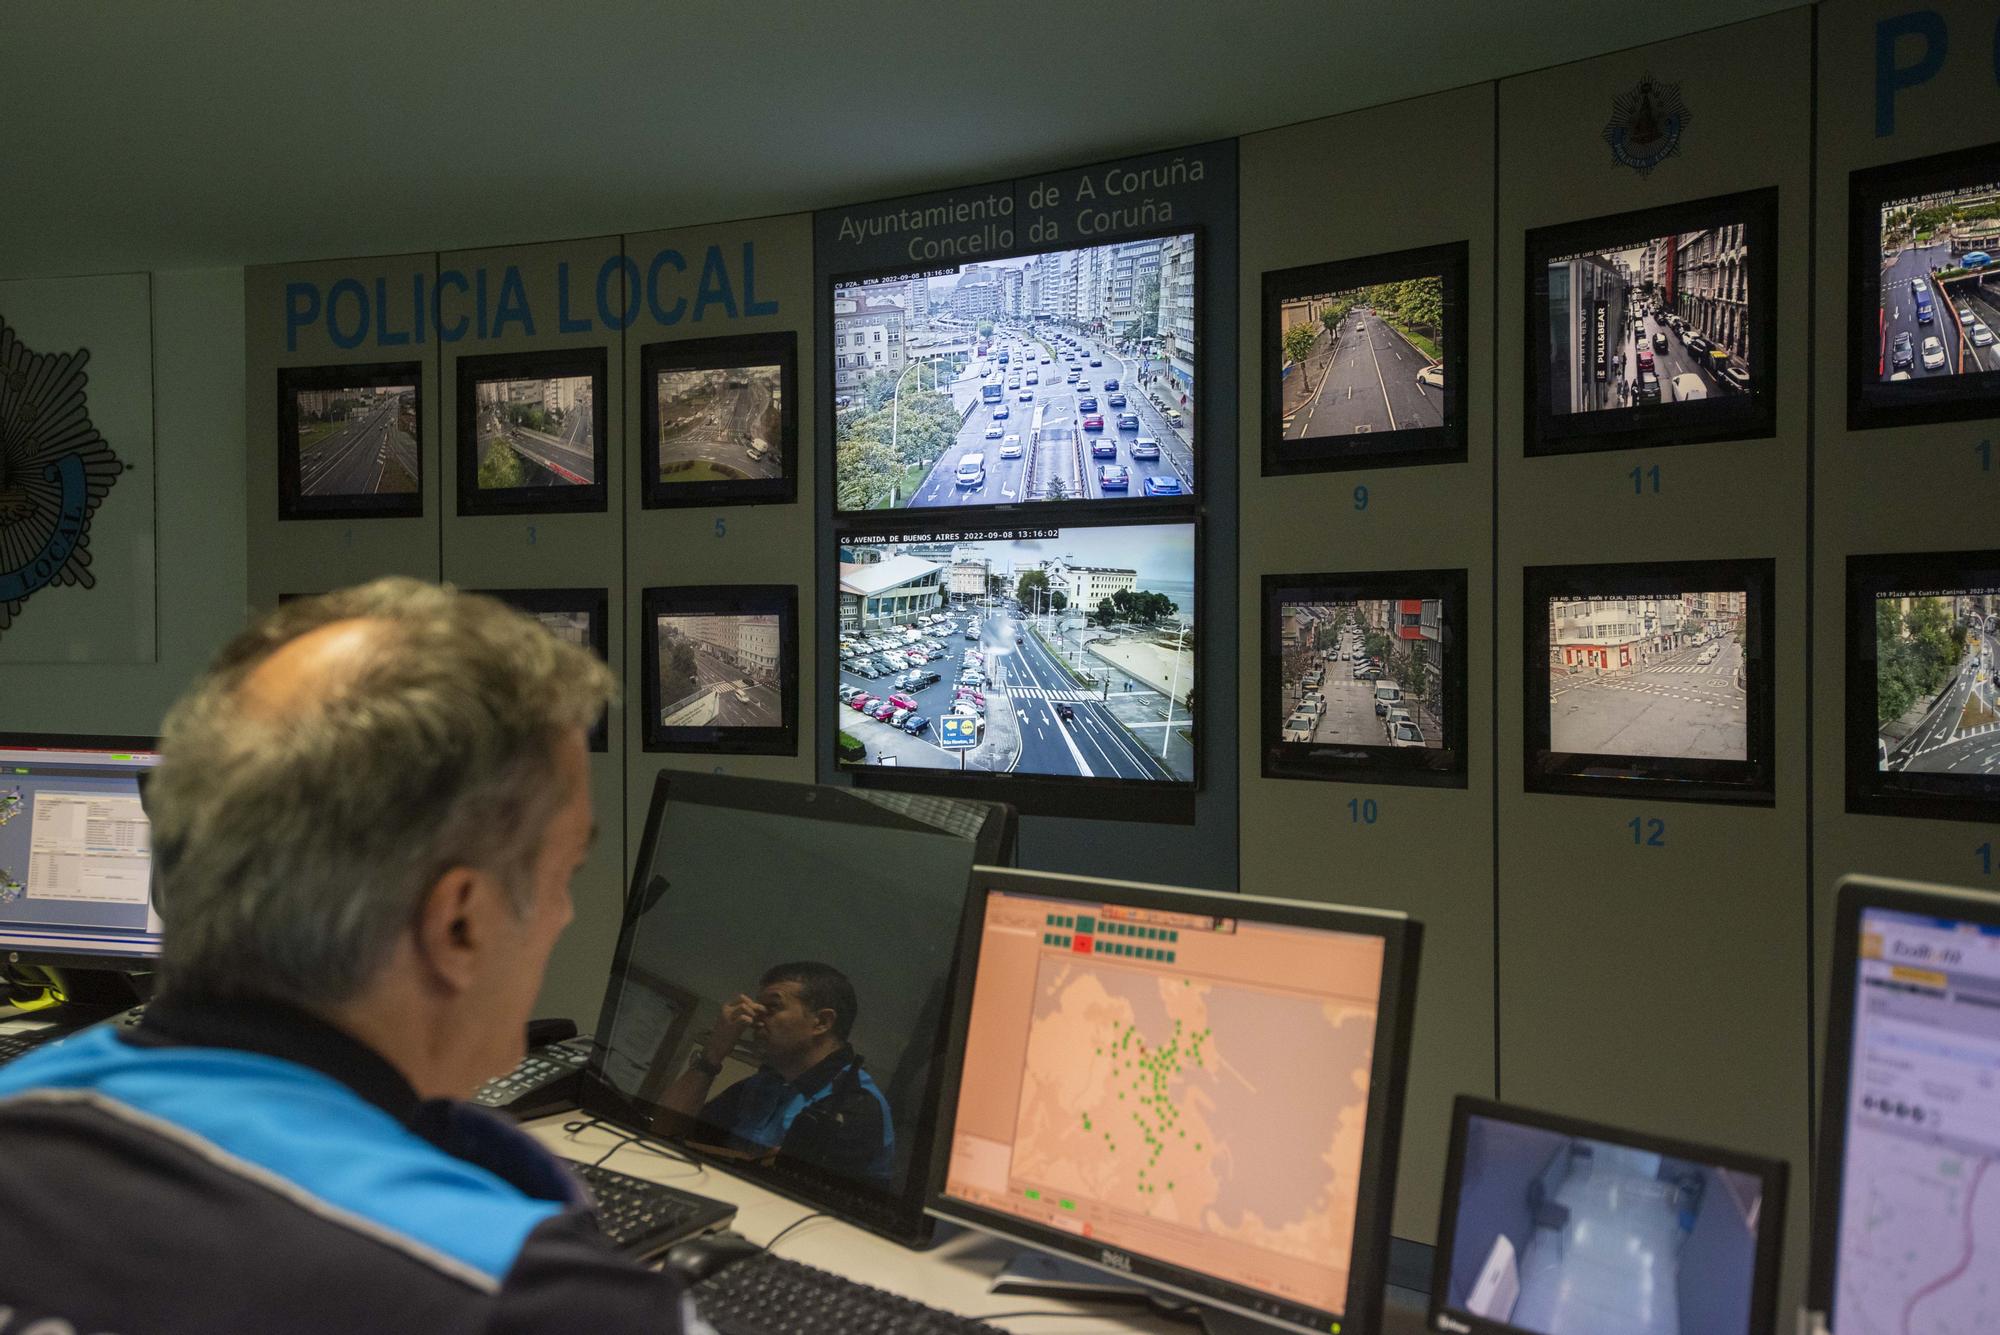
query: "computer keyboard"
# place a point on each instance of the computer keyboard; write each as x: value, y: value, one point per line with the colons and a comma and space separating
x: 14, y: 1045
x: 769, y: 1295
x: 641, y: 1217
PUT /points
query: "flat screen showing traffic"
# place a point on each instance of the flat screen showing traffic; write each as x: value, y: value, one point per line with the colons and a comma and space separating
x: 719, y: 420
x: 720, y: 668
x: 1057, y: 376
x: 1650, y: 674
x: 349, y: 441
x: 1067, y: 652
x: 533, y: 432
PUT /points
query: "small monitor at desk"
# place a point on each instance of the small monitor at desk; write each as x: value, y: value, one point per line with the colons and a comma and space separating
x: 800, y: 939
x: 1552, y: 1225
x: 1198, y: 1090
x: 1906, y: 1227
x: 75, y: 852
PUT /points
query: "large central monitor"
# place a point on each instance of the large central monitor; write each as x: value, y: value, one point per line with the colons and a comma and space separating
x: 1200, y: 1090
x: 76, y: 852
x: 777, y: 999
x: 1906, y: 1228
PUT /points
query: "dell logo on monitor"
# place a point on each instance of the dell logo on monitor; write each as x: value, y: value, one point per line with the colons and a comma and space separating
x: 1117, y: 1260
x: 1451, y: 1324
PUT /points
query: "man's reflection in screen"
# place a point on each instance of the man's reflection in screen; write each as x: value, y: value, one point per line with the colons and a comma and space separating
x: 810, y: 1099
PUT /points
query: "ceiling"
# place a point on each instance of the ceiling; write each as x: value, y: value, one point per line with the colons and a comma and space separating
x: 141, y: 134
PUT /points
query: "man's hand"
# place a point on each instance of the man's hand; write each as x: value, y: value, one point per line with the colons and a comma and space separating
x: 737, y: 1016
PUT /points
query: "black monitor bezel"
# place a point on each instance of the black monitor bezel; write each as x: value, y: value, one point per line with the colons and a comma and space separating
x: 697, y: 354
x: 587, y: 498
x: 1155, y: 801
x: 1856, y: 895
x: 1772, y: 1173
x: 900, y: 1217
x: 1376, y: 762
x: 74, y: 741
x: 780, y: 600
x: 594, y: 603
x: 1409, y: 446
x: 1873, y: 403
x: 1747, y: 782
x: 1872, y: 791
x: 1751, y: 415
x: 294, y: 503
x: 1402, y: 939
x: 1030, y: 514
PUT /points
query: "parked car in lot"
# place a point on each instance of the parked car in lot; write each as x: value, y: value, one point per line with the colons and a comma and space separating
x: 862, y: 703
x: 1298, y: 728
x: 881, y: 711
x: 915, y: 724
x: 1113, y: 477
x: 1163, y: 486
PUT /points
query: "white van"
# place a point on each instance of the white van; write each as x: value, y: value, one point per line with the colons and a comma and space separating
x: 972, y: 470
x: 1387, y: 696
x: 1688, y: 386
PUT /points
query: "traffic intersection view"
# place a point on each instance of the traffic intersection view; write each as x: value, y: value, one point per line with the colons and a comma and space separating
x: 1935, y: 701
x: 357, y: 442
x: 1043, y: 377
x: 535, y: 433
x: 719, y: 671
x: 1365, y: 360
x: 1938, y: 313
x: 1364, y: 673
x: 1066, y: 652
x: 1661, y: 675
x: 720, y: 423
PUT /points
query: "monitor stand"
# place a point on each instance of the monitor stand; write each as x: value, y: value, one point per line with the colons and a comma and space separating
x: 1041, y: 1275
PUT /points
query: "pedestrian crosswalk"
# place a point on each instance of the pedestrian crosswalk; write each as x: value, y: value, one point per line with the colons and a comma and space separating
x: 1044, y: 693
x: 1703, y: 668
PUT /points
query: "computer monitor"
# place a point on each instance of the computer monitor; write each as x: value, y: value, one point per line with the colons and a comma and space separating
x: 1906, y: 1226
x: 76, y: 852
x: 1552, y: 1225
x: 1199, y: 1090
x: 838, y: 915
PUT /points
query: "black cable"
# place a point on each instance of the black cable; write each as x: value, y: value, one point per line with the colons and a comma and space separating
x: 816, y: 1214
x: 629, y: 1139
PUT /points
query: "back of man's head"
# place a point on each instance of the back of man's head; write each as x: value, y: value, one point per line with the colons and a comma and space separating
x: 821, y: 988
x: 338, y: 757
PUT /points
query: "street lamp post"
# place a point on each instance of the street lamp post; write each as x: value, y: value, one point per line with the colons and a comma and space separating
x: 896, y: 416
x: 1173, y: 689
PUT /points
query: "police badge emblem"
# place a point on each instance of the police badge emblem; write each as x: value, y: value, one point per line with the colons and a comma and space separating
x: 55, y: 470
x: 1646, y: 125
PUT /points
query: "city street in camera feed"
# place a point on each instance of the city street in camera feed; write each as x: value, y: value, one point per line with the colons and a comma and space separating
x: 720, y: 424
x: 1046, y: 377
x: 1365, y: 360
x: 719, y: 671
x: 1070, y: 650
x: 1656, y: 675
x: 1364, y: 673
x: 357, y: 442
x: 570, y: 627
x: 1938, y: 312
x: 535, y: 433
x: 1935, y: 705
x: 1660, y: 320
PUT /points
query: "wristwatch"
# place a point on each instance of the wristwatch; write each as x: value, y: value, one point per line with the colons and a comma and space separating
x: 698, y: 1062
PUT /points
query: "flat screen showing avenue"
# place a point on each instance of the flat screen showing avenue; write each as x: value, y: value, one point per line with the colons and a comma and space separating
x: 358, y: 440
x: 1937, y: 307
x: 534, y: 433
x: 1060, y: 651
x: 1364, y: 673
x: 719, y: 671
x: 1055, y: 376
x: 719, y: 423
x: 1658, y: 674
x: 1936, y: 711
x: 1363, y: 360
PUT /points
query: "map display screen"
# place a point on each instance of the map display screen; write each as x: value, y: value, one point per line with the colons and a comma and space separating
x: 1919, y: 1235
x: 1187, y: 1088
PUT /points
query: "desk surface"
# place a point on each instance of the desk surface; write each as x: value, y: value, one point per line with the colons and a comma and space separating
x: 953, y: 1275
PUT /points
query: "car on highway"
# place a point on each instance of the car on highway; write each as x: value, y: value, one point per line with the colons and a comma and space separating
x: 1432, y: 375
x: 1010, y: 448
x: 1919, y: 286
x: 1093, y: 423
x: 1065, y: 713
x: 1113, y: 477
x: 1097, y: 361
x: 971, y: 470
x: 1163, y: 486
x: 1933, y: 353
x: 1965, y: 315
x: 1111, y: 382
x: 1073, y: 376
x: 1115, y: 400
x: 1027, y: 396
x: 1687, y: 385
x: 1086, y: 404
x: 1104, y: 447
x: 1903, y: 351
x: 1145, y: 447
x: 1128, y: 421
x: 1002, y: 413
x: 995, y: 431
x: 742, y: 696
x: 1034, y: 379
x: 1298, y: 728
x: 1982, y: 337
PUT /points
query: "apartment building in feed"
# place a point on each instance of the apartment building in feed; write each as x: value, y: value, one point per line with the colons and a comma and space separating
x: 967, y: 579
x: 1587, y: 302
x: 1713, y: 291
x: 888, y: 592
x: 1177, y: 310
x: 868, y: 335
x: 1087, y: 586
x: 746, y: 642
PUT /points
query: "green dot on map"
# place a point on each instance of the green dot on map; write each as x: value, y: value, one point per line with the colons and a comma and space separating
x: 1183, y: 1133
x: 1121, y: 1093
x: 1170, y: 1186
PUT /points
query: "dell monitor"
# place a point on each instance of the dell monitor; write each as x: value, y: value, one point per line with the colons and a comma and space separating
x: 1197, y: 1090
x: 1907, y: 1210
x: 76, y: 853
x: 1552, y: 1225
x: 777, y: 1001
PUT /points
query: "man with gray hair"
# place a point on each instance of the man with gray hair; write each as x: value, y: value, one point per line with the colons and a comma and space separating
x: 365, y: 820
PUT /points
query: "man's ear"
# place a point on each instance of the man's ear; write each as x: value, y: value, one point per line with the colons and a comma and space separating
x: 452, y: 926
x: 825, y: 1018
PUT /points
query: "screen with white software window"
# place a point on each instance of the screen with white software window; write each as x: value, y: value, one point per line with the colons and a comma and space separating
x: 75, y: 851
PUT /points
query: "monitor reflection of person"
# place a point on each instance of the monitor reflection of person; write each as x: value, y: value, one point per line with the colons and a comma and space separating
x: 810, y: 1100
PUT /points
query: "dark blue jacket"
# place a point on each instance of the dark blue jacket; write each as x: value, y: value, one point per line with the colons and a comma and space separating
x: 234, y: 1167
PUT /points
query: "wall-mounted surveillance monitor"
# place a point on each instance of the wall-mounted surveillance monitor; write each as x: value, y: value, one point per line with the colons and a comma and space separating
x: 1922, y: 239
x: 1552, y: 1225
x: 350, y: 441
x: 1653, y: 328
x: 1650, y: 680
x: 575, y: 616
x: 1060, y: 375
x: 531, y: 432
x: 1364, y: 362
x: 1364, y: 677
x: 720, y: 668
x: 1923, y: 709
x: 719, y: 421
x: 1054, y: 667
